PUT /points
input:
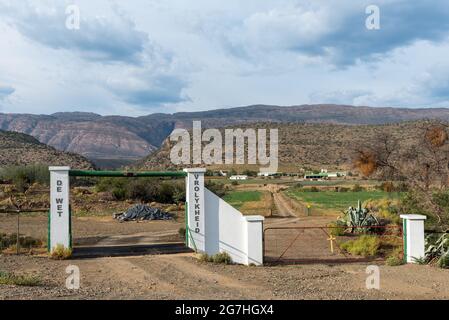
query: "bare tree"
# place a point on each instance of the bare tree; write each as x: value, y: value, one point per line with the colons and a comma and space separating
x: 422, y: 164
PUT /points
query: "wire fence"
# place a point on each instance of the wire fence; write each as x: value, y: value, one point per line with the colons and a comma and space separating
x: 21, y: 232
x: 326, y: 244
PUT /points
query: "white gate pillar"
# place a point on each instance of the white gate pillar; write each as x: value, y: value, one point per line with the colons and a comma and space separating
x: 196, y: 220
x: 413, y: 229
x: 59, y: 224
x: 254, y: 240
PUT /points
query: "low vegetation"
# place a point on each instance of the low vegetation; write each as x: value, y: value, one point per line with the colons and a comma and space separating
x: 9, y: 241
x: 437, y: 249
x: 143, y: 189
x: 7, y: 278
x: 396, y: 258
x: 358, y: 219
x: 61, y: 253
x: 336, y: 200
x: 365, y: 245
x: 219, y: 258
x: 22, y: 177
x: 239, y: 198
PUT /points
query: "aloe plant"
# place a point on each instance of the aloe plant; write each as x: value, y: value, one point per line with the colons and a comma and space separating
x: 359, y: 219
x: 437, y: 249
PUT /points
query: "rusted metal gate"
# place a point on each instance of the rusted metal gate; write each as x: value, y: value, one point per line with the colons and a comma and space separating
x: 322, y: 244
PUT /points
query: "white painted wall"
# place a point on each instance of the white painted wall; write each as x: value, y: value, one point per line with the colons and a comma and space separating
x: 227, y: 230
x: 59, y: 207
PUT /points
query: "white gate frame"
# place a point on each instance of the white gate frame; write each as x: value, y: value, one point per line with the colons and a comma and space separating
x: 212, y: 225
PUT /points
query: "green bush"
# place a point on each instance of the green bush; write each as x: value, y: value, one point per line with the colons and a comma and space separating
x: 9, y: 240
x: 219, y: 258
x: 7, y: 278
x: 365, y: 245
x: 119, y: 194
x: 143, y: 189
x: 218, y: 188
x: 24, y: 176
x: 182, y: 232
x: 222, y: 257
x: 337, y: 228
x: 396, y: 258
x: 443, y: 262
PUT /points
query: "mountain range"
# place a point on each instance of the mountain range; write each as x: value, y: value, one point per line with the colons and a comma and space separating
x: 122, y: 138
x: 22, y: 149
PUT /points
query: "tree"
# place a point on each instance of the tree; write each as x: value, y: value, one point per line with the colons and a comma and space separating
x: 422, y: 162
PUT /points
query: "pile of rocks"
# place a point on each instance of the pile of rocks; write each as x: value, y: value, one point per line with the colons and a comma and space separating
x: 142, y: 212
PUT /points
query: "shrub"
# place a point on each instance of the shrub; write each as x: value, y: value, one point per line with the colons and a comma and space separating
x: 365, y: 245
x: 443, y: 262
x: 386, y: 209
x: 217, y: 188
x: 119, y: 194
x: 182, y: 232
x: 314, y: 189
x: 24, y: 176
x: 204, y: 257
x: 10, y: 241
x: 222, y: 258
x: 337, y: 228
x: 357, y: 188
x: 7, y: 278
x: 61, y: 253
x: 396, y: 258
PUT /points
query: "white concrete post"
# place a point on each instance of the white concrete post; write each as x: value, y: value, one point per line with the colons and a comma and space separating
x: 196, y: 220
x: 413, y: 229
x: 59, y: 232
x: 254, y: 239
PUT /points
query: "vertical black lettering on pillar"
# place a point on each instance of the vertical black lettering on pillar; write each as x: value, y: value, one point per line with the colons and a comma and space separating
x: 196, y: 197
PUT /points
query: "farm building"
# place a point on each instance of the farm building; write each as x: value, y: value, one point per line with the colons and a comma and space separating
x: 267, y: 174
x: 316, y: 176
x: 239, y: 177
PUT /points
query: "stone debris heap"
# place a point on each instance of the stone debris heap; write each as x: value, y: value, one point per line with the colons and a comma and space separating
x: 142, y: 212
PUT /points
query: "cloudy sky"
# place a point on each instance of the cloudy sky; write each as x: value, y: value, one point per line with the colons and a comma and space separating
x: 137, y: 57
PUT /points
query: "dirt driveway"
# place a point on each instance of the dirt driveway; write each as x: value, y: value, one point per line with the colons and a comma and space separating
x: 182, y: 276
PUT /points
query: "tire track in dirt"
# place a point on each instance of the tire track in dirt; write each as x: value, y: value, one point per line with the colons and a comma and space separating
x: 282, y: 207
x: 175, y: 269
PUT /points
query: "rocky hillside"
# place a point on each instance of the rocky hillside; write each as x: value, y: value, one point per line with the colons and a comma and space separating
x: 120, y: 137
x: 310, y: 145
x: 21, y: 149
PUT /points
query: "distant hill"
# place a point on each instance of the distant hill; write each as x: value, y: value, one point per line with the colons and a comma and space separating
x: 110, y: 138
x: 21, y: 149
x: 309, y: 145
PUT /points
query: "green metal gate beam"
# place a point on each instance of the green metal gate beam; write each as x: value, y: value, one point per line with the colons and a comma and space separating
x: 125, y: 174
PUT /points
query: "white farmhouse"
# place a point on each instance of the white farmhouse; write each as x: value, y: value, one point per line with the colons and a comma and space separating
x: 239, y: 177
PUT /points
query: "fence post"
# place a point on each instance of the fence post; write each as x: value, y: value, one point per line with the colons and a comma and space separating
x: 413, y: 230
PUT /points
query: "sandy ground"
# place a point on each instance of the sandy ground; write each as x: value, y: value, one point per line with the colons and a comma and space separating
x: 173, y: 274
x: 181, y: 276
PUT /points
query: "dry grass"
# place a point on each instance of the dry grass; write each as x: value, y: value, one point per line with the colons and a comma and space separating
x: 262, y: 207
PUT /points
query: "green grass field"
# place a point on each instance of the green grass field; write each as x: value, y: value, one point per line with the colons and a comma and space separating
x: 238, y: 198
x: 337, y: 200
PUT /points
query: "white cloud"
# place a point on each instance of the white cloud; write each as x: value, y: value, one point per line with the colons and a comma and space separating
x: 143, y: 56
